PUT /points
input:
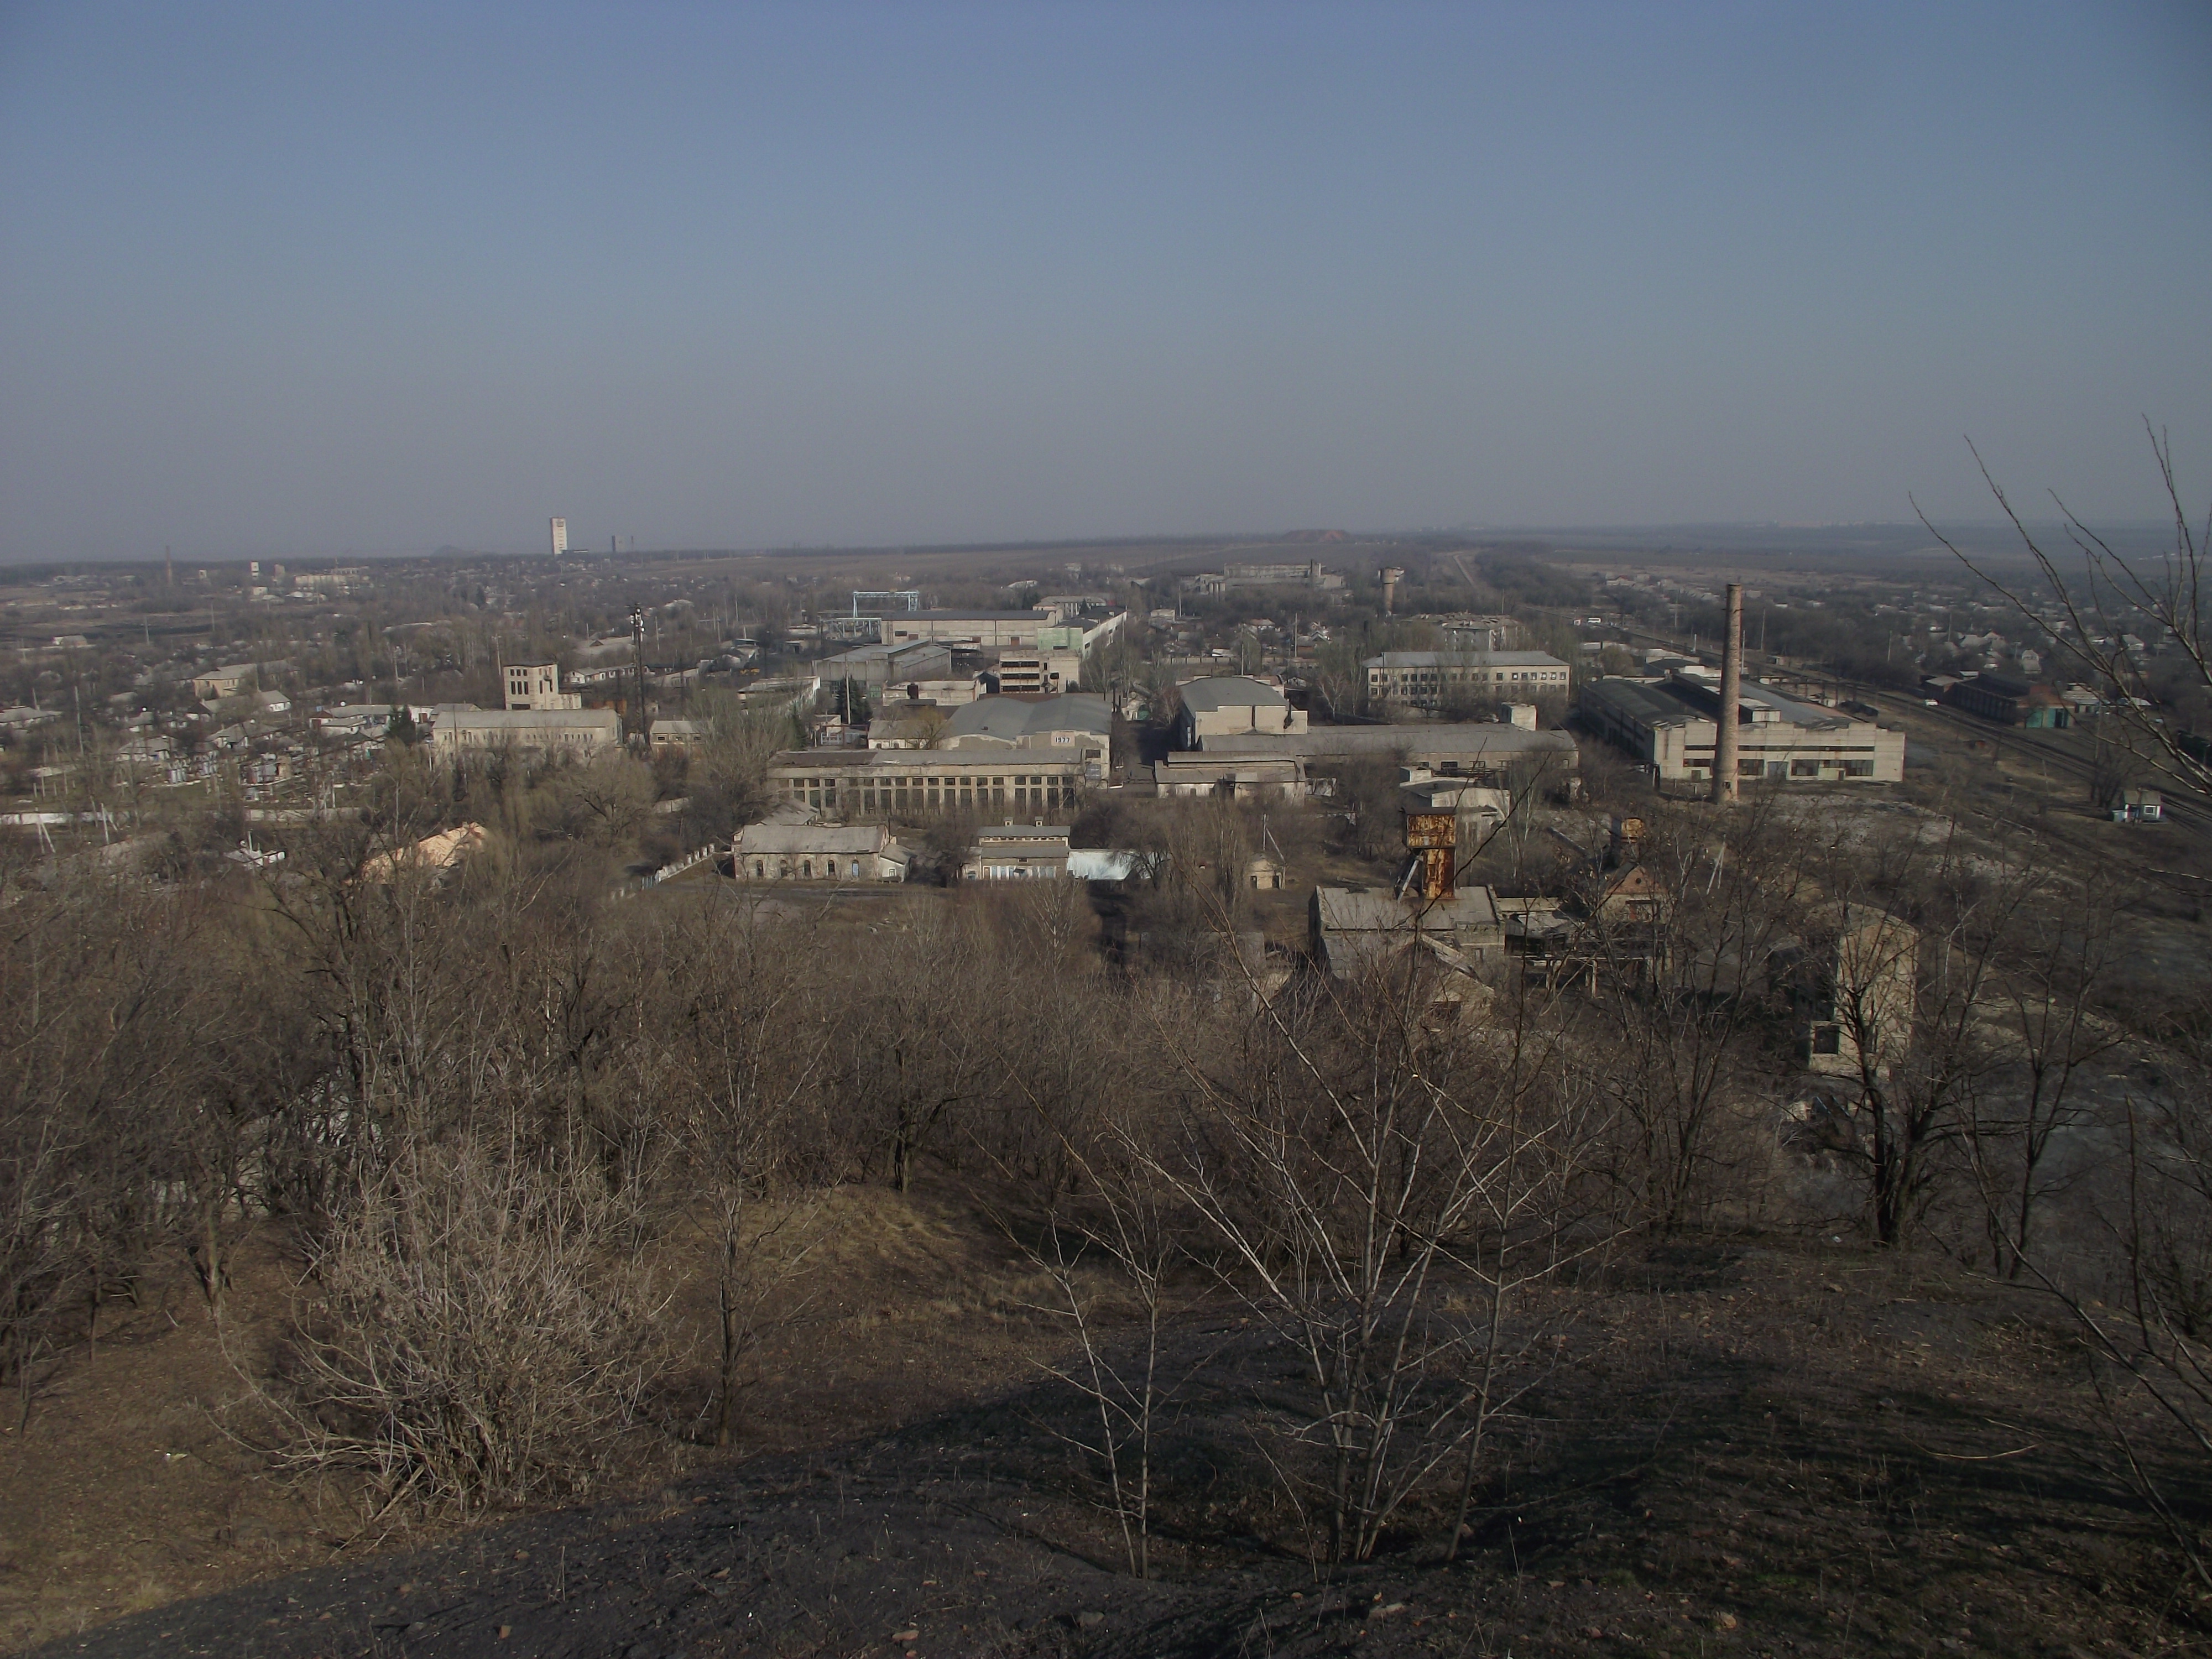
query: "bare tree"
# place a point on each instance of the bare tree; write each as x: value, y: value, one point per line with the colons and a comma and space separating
x: 2103, y: 595
x: 1388, y: 1184
x: 2048, y: 1032
x: 478, y: 1327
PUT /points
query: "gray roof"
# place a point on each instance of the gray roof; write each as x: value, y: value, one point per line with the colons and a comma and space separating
x: 1022, y: 832
x: 1476, y: 739
x: 1229, y: 691
x: 1677, y: 703
x: 526, y: 719
x: 1344, y: 911
x: 973, y: 616
x: 818, y: 839
x: 1464, y: 659
x: 1010, y: 720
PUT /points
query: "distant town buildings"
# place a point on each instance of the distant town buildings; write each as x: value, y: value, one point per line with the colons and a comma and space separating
x: 1234, y: 578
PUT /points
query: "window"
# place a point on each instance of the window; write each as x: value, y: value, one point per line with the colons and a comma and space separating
x: 1804, y: 768
x: 1828, y: 1039
x: 1858, y: 769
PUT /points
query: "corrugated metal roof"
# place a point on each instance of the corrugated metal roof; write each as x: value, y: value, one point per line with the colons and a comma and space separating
x: 1229, y: 691
x: 818, y: 839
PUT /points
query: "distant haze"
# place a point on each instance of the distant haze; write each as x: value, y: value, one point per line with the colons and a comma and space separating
x: 375, y: 278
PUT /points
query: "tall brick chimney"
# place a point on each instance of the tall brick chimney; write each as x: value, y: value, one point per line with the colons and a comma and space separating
x: 1724, y: 741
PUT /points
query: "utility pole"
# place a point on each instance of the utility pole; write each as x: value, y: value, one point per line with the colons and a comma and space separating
x: 637, y: 657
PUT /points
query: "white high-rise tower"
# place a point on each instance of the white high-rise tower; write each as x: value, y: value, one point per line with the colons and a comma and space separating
x: 560, y: 536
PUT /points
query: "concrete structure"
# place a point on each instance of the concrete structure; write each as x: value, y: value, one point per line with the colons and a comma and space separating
x: 1855, y: 977
x: 1039, y: 673
x: 1479, y: 811
x: 1390, y: 575
x: 537, y: 685
x: 1230, y: 703
x: 1231, y: 578
x: 1077, y: 721
x: 1428, y: 679
x: 227, y: 681
x: 1672, y: 725
x: 580, y: 732
x: 1478, y: 752
x: 1017, y: 851
x: 676, y: 734
x: 1251, y: 777
x: 557, y: 530
x: 987, y: 630
x: 1485, y: 633
x: 355, y: 719
x: 817, y: 852
x: 944, y: 694
x: 894, y: 666
x: 1072, y: 633
x: 1353, y: 931
x: 909, y: 784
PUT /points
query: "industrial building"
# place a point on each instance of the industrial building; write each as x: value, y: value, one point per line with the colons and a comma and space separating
x: 1477, y: 750
x: 579, y: 731
x: 879, y: 666
x: 908, y: 783
x: 816, y: 851
x: 1672, y: 724
x: 1229, y: 704
x: 1002, y: 852
x: 1078, y: 722
x: 1428, y: 679
x: 537, y: 685
x: 1247, y: 777
x: 984, y: 631
x: 1232, y: 578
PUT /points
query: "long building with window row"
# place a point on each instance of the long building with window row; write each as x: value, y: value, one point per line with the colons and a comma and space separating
x: 1672, y: 724
x: 865, y: 784
x: 1426, y: 680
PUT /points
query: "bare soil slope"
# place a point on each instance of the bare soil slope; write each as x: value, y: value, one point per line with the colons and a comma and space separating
x: 1765, y: 1451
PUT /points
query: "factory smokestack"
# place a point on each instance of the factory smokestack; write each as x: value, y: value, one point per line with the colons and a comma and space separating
x: 1724, y: 740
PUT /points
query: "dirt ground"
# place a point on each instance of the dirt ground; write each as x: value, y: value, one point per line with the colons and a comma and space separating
x: 1765, y: 1447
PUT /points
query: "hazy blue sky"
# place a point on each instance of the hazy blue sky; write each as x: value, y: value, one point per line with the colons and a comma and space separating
x: 370, y: 278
